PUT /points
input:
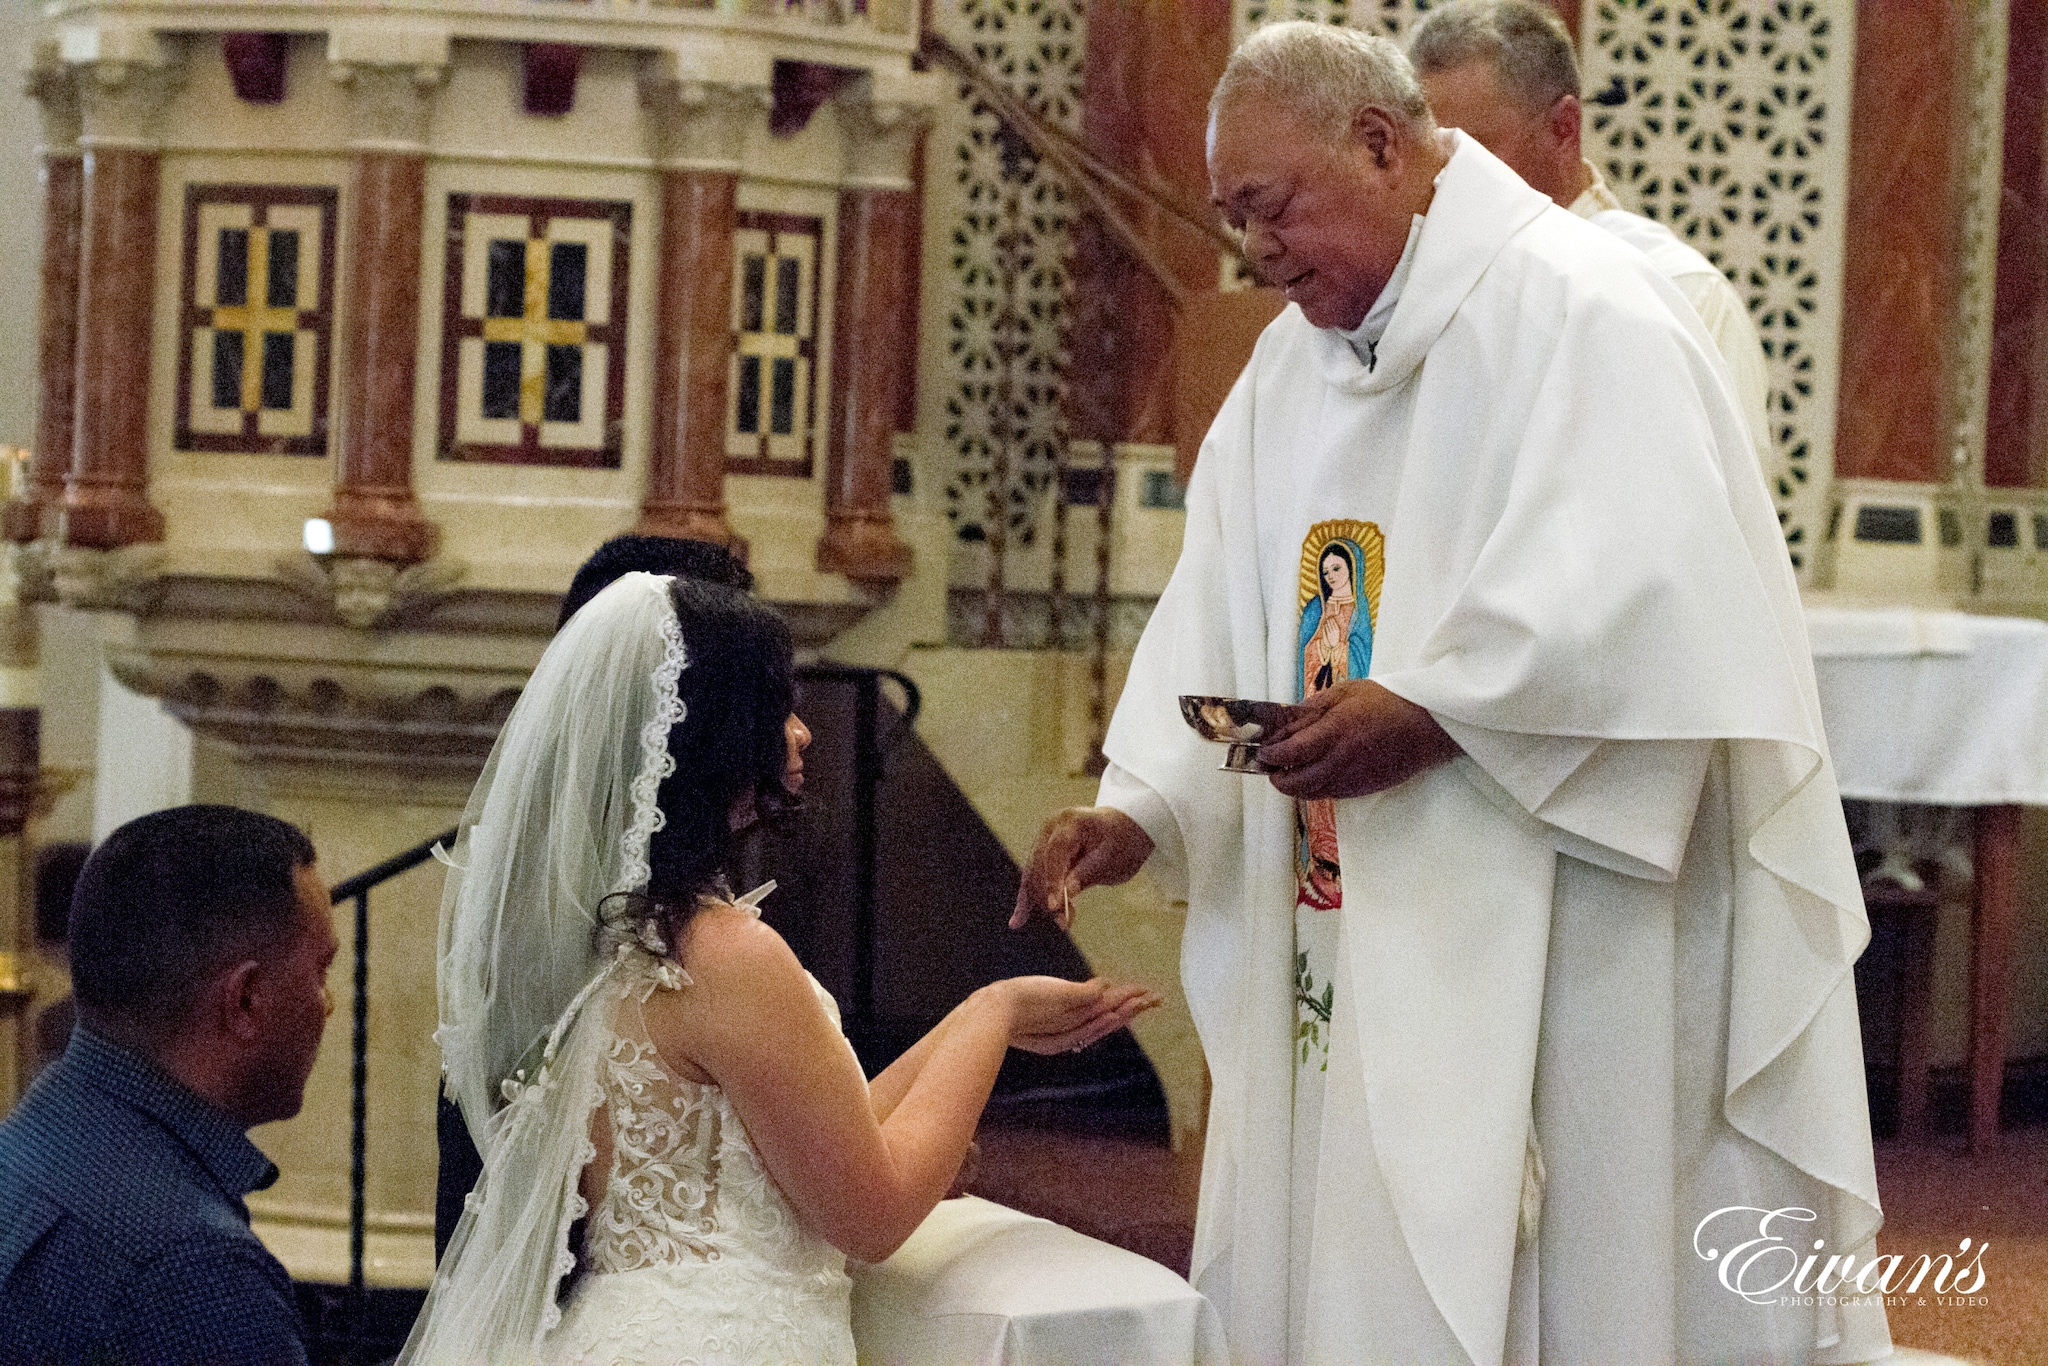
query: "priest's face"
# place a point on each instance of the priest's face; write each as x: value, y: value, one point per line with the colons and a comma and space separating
x: 1324, y: 218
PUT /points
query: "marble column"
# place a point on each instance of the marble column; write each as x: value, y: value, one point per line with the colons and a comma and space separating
x: 871, y: 341
x: 375, y: 515
x: 2016, y: 435
x: 32, y: 514
x: 699, y: 131
x: 1902, y: 251
x: 1144, y: 109
x: 106, y: 490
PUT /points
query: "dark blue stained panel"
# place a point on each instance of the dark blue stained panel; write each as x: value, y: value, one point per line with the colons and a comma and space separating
x: 231, y: 268
x: 501, y: 379
x: 568, y: 271
x: 282, y: 290
x: 564, y: 399
x: 753, y: 293
x: 785, y: 295
x: 505, y: 281
x: 782, y: 397
x: 277, y: 370
x: 227, y: 369
x: 748, y: 416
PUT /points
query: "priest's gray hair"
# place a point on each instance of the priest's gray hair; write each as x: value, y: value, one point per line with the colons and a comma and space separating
x: 1328, y: 75
x: 1527, y: 45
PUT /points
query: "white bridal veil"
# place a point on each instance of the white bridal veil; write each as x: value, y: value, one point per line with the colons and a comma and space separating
x: 559, y: 821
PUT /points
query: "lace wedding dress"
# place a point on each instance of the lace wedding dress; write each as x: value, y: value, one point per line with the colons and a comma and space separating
x: 692, y: 1255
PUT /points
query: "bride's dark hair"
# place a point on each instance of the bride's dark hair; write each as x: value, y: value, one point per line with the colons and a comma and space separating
x: 738, y: 688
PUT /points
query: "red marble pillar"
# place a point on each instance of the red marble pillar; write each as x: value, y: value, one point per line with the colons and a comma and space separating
x: 2016, y: 431
x: 870, y: 345
x: 32, y: 515
x: 106, y: 492
x: 375, y: 515
x: 1145, y: 109
x: 693, y: 349
x: 1902, y: 254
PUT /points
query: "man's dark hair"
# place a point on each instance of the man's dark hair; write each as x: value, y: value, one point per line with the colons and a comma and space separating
x: 672, y: 555
x: 170, y: 899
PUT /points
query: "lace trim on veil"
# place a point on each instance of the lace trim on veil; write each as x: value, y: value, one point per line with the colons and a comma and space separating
x: 656, y: 765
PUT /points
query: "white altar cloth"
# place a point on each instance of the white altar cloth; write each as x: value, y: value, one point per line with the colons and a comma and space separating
x: 1938, y: 707
x: 980, y: 1283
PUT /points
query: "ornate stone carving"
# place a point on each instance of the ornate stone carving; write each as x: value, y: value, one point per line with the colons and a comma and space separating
x: 54, y: 88
x: 366, y: 593
x: 123, y: 76
x: 124, y: 577
x: 422, y: 701
x: 391, y: 71
x: 704, y: 100
x: 881, y: 116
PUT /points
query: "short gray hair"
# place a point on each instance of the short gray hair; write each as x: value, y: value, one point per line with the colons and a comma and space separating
x: 1326, y: 74
x: 1527, y: 44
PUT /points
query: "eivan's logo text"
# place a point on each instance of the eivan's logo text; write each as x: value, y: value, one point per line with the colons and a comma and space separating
x: 1760, y: 1257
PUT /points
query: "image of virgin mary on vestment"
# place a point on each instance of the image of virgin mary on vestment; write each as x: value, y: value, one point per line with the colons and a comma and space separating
x: 1342, y: 563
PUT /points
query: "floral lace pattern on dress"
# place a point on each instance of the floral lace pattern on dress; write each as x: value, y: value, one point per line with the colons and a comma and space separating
x: 692, y: 1253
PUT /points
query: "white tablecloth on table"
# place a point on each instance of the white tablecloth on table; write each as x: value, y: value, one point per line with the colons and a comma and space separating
x: 980, y: 1283
x: 1938, y: 707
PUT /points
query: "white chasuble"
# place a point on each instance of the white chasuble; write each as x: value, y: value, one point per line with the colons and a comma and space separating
x: 1720, y: 308
x: 1617, y: 932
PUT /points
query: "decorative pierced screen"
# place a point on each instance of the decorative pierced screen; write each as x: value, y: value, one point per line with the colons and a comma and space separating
x: 1734, y: 131
x: 1391, y: 17
x: 1006, y: 304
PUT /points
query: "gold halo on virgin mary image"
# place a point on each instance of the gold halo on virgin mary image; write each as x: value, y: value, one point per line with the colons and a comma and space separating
x: 1366, y: 578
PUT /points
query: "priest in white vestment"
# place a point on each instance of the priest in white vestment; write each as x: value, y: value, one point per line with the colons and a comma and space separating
x: 1505, y: 71
x: 1525, y: 982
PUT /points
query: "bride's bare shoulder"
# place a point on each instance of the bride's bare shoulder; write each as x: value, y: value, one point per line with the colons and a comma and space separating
x: 726, y: 946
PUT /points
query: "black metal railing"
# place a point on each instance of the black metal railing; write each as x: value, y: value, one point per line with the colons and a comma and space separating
x: 870, y: 748
x: 358, y: 889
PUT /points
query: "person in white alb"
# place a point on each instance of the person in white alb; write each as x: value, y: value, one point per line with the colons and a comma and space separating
x: 1505, y: 72
x: 1524, y: 979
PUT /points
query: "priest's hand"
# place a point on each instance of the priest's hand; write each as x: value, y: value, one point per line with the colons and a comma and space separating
x: 1353, y: 739
x: 1079, y: 848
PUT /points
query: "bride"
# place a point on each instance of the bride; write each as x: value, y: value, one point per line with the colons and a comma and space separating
x: 634, y: 1050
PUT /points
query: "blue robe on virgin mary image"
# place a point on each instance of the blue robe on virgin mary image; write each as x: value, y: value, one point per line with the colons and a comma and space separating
x: 1359, y: 655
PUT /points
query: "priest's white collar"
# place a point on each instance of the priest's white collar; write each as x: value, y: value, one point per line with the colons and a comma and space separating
x: 1365, y: 337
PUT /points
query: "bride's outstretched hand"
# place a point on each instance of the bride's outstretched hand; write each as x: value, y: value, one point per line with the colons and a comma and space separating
x: 1052, y: 1015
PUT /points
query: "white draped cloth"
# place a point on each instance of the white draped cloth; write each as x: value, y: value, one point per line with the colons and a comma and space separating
x: 1618, y: 932
x: 1721, y: 309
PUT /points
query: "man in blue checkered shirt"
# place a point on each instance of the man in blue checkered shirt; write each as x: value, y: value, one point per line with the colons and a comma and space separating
x: 200, y: 942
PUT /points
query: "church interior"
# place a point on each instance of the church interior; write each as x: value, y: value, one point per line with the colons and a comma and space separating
x: 338, y: 342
